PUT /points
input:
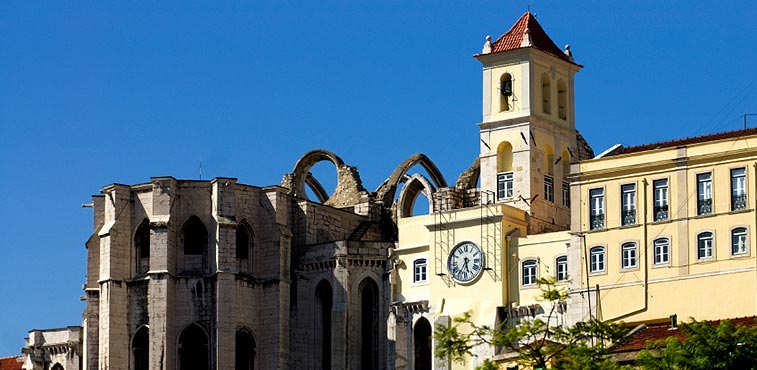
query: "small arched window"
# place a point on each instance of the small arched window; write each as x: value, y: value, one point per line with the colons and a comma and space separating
x: 140, y: 349
x: 661, y: 251
x: 193, y: 349
x: 561, y: 267
x: 739, y: 241
x: 142, y: 247
x: 369, y: 324
x: 505, y: 93
x: 420, y: 270
x: 628, y: 254
x: 245, y: 351
x: 597, y: 259
x: 705, y: 248
x: 244, y: 241
x: 546, y: 95
x: 422, y: 344
x: 562, y: 100
x: 529, y: 275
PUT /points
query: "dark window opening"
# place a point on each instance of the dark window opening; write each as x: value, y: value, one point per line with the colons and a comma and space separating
x: 243, y: 242
x: 245, y: 351
x: 369, y: 325
x: 323, y: 306
x: 195, y: 237
x: 193, y: 349
x: 422, y: 344
x: 140, y: 349
x: 142, y: 247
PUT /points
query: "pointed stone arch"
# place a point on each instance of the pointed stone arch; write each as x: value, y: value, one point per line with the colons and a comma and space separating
x: 245, y: 350
x: 349, y: 189
x: 140, y: 349
x: 194, y: 348
x: 469, y: 178
x: 415, y: 185
x: 388, y: 189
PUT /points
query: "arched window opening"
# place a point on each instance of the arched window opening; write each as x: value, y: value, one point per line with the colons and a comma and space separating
x: 505, y: 93
x: 193, y: 349
x: 546, y: 95
x: 529, y: 274
x: 422, y: 344
x: 57, y: 366
x: 704, y: 245
x: 244, y: 358
x: 561, y: 267
x: 369, y: 325
x: 420, y: 271
x: 140, y: 349
x: 661, y: 251
x: 323, y: 305
x: 195, y: 237
x: 739, y: 241
x: 505, y: 188
x: 628, y: 255
x: 597, y: 259
x: 142, y: 247
x: 562, y: 100
x: 243, y: 241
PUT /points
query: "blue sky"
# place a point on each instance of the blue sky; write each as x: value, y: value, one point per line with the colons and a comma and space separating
x: 97, y: 93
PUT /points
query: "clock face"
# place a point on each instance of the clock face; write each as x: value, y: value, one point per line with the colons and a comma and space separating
x: 465, y: 262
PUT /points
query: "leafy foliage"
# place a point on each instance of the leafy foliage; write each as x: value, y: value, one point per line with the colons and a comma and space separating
x: 705, y: 346
x: 539, y: 342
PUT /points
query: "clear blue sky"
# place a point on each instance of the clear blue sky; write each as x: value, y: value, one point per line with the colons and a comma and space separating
x: 119, y: 92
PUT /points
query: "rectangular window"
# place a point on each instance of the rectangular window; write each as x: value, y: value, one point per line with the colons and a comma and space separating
x: 628, y: 251
x: 549, y: 188
x: 738, y: 189
x: 704, y: 245
x: 661, y: 251
x: 704, y: 193
x: 596, y: 209
x: 562, y: 268
x: 420, y: 270
x: 738, y: 241
x: 565, y: 194
x: 505, y: 185
x: 628, y: 201
x: 660, y: 199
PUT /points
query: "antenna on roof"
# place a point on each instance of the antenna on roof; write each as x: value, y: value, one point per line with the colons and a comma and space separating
x: 200, y: 168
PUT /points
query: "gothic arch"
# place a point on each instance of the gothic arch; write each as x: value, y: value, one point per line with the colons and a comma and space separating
x: 422, y: 344
x: 415, y: 185
x: 369, y: 324
x: 194, y: 348
x: 388, y: 189
x: 140, y: 349
x: 245, y: 350
x: 142, y: 247
x: 349, y: 187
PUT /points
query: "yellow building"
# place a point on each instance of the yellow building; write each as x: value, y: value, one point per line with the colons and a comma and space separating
x: 667, y: 228
x: 481, y: 248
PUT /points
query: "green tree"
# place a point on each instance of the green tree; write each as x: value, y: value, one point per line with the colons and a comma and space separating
x: 538, y: 342
x: 704, y: 346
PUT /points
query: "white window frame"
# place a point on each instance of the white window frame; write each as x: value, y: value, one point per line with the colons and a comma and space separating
x: 704, y: 192
x: 420, y: 270
x: 561, y: 268
x: 661, y: 198
x: 596, y: 207
x: 549, y: 188
x: 628, y: 202
x: 529, y: 271
x: 629, y: 255
x: 744, y: 244
x: 738, y: 186
x: 661, y: 256
x: 705, y: 245
x: 597, y: 260
x: 505, y: 191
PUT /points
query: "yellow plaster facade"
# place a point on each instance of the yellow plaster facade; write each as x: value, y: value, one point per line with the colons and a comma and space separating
x: 690, y: 241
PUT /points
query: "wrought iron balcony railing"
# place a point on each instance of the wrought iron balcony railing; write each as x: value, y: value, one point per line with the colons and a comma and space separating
x: 661, y: 213
x: 704, y: 206
x: 628, y: 217
x: 738, y: 202
x: 597, y: 221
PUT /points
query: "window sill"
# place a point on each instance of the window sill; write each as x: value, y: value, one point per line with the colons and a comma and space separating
x: 420, y: 283
x: 660, y: 265
x: 629, y: 269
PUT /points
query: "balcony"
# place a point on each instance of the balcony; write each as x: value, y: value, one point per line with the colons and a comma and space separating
x: 704, y: 206
x: 738, y: 202
x: 597, y: 221
x: 661, y: 213
x: 628, y: 217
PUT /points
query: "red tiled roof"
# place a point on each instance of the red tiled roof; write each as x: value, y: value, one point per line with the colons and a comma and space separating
x: 513, y: 38
x: 654, y: 332
x: 688, y: 141
x: 11, y: 363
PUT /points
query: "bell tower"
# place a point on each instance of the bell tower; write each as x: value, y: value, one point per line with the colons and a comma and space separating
x: 528, y: 135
